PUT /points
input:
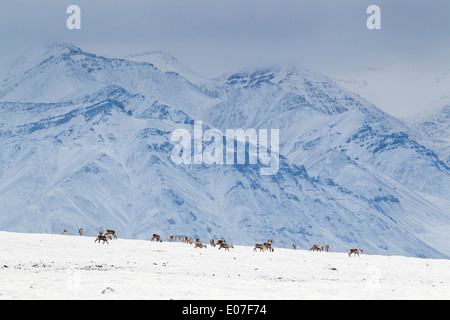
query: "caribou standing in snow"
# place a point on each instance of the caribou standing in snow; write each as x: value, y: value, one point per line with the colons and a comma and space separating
x: 226, y: 246
x: 108, y: 232
x: 102, y: 238
x: 316, y: 247
x: 156, y: 237
x: 355, y: 252
x: 259, y: 246
x: 199, y: 245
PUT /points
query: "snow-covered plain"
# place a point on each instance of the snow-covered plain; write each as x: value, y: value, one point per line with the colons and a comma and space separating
x: 51, y: 266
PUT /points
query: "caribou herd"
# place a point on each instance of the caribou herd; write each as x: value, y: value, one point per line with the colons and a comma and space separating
x: 105, y: 235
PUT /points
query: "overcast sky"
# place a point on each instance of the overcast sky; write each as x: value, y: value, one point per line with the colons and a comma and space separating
x: 216, y: 36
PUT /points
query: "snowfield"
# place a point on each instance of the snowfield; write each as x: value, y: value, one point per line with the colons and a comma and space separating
x: 50, y: 266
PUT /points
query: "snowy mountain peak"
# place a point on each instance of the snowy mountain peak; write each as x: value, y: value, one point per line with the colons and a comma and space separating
x: 62, y: 48
x: 167, y: 63
x: 154, y: 57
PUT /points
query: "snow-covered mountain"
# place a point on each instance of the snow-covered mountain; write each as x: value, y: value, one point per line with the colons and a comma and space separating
x: 432, y: 128
x: 86, y: 142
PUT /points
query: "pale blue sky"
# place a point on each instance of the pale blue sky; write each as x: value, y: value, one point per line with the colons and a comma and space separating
x: 214, y: 36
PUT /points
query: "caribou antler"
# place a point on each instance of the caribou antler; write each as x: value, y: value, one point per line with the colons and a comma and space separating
x: 101, y: 231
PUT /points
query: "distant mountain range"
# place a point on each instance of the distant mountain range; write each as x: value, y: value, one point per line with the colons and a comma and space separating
x: 86, y: 142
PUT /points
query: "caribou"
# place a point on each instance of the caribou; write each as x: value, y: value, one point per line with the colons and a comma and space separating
x: 108, y: 232
x: 259, y: 246
x: 355, y: 252
x: 316, y: 247
x: 226, y: 246
x: 269, y: 246
x: 156, y: 237
x: 103, y: 238
x: 219, y: 242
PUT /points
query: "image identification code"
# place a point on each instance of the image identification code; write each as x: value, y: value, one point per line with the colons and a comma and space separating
x: 246, y: 309
x: 231, y: 309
